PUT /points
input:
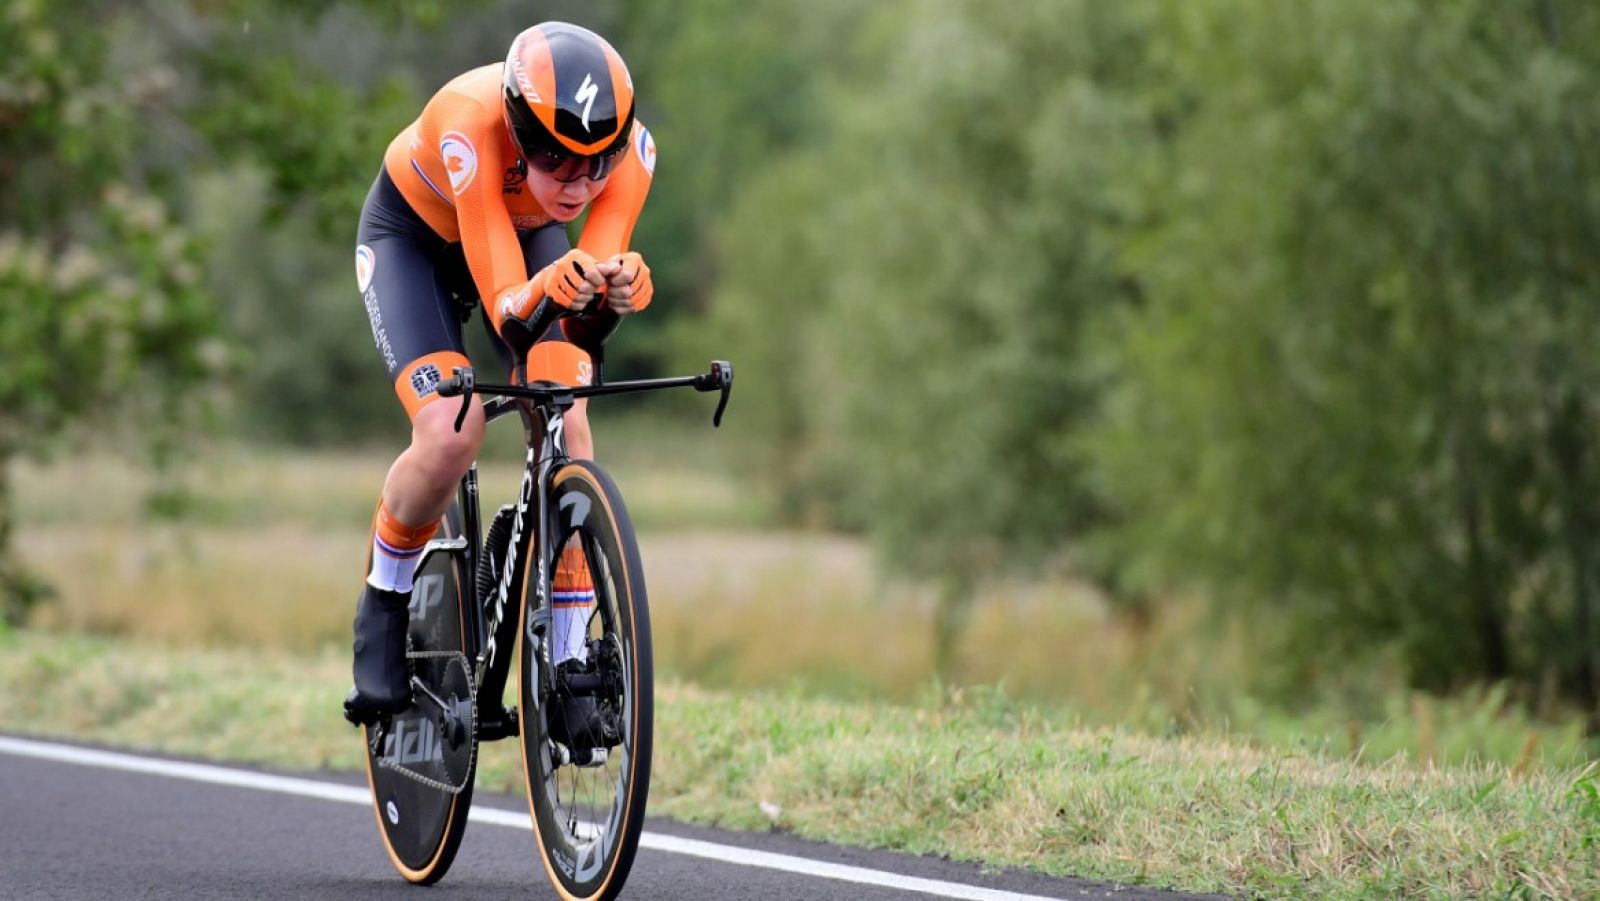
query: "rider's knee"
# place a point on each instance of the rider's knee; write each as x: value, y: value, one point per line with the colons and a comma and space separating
x: 438, y: 449
x: 443, y: 453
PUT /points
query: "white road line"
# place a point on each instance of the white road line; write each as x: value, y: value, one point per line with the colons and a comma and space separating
x: 348, y: 794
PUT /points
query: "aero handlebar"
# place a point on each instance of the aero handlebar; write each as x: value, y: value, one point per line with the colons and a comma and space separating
x: 588, y: 330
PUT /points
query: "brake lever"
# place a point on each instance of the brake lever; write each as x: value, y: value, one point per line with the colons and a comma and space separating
x: 461, y: 382
x: 722, y: 374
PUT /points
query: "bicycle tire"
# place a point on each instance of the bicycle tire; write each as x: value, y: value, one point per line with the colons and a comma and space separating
x: 421, y: 825
x: 590, y: 861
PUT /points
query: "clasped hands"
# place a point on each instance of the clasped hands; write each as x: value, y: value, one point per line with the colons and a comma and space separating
x: 576, y: 279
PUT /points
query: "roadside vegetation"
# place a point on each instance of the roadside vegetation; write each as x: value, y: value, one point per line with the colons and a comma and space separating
x: 735, y: 604
x: 964, y: 772
x: 1206, y: 386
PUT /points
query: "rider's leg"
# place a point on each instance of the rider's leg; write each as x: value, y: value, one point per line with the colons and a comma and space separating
x: 571, y: 588
x: 425, y: 476
x: 416, y: 326
x: 578, y: 722
x: 580, y: 441
x: 420, y: 485
x: 415, y: 494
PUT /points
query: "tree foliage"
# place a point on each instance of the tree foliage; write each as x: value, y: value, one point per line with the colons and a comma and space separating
x: 1363, y: 391
x: 1286, y: 303
x: 108, y: 112
x: 920, y: 320
x: 102, y: 306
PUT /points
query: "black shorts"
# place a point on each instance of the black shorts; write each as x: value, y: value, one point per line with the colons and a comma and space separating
x: 418, y: 290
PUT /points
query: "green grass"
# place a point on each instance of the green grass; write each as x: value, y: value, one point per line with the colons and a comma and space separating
x: 968, y: 773
x: 673, y: 471
x: 795, y: 674
x: 267, y: 554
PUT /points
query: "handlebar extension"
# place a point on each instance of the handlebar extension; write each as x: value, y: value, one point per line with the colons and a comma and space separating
x: 587, y: 328
x: 462, y: 383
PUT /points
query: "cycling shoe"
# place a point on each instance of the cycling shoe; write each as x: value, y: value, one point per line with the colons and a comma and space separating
x: 382, y: 676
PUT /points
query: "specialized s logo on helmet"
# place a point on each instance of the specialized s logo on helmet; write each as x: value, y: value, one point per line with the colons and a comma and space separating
x: 460, y: 159
x: 586, y: 94
x: 567, y: 93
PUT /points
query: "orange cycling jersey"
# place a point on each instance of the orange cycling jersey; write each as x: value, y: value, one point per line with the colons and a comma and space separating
x: 458, y: 169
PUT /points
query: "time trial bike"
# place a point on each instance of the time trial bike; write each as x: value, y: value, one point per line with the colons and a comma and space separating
x: 479, y: 593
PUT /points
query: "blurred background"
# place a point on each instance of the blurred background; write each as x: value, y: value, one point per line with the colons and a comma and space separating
x: 1204, y: 366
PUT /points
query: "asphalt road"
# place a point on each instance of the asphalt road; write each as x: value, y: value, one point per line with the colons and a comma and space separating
x: 97, y: 827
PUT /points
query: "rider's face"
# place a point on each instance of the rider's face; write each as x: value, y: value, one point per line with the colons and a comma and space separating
x: 562, y: 200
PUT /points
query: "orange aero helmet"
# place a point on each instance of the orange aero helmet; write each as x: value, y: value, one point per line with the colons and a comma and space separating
x: 569, y: 101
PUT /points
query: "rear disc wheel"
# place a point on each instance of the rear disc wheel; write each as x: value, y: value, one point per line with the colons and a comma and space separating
x: 421, y: 761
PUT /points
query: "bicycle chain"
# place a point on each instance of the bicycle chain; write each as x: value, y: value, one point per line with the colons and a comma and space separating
x: 472, y: 727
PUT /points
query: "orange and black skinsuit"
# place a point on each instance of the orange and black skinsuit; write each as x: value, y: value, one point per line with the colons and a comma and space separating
x: 450, y: 218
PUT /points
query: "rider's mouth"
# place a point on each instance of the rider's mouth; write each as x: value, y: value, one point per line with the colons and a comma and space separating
x: 568, y: 209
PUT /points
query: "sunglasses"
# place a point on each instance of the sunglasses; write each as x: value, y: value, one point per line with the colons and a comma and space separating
x: 566, y: 167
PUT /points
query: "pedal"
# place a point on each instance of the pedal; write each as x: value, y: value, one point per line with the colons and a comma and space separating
x: 357, y: 715
x: 496, y: 727
x: 353, y: 716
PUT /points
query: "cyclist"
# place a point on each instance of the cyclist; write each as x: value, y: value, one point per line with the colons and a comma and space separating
x: 472, y: 200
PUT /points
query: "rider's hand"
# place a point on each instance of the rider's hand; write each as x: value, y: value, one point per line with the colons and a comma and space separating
x: 628, y: 287
x: 572, y: 280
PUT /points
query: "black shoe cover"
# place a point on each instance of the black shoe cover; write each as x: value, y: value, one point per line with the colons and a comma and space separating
x: 383, y: 680
x: 577, y: 720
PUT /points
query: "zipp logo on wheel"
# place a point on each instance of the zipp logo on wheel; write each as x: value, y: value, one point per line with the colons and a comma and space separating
x: 426, y: 594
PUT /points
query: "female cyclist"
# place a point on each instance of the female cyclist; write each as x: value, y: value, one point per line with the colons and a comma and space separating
x: 472, y: 201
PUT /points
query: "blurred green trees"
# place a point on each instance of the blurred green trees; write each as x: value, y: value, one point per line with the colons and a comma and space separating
x: 1288, y: 304
x: 100, y: 297
x: 111, y: 115
x: 1362, y: 391
x: 918, y: 283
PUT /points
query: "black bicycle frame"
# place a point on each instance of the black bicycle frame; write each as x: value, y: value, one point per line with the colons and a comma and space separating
x: 542, y: 408
x: 495, y: 614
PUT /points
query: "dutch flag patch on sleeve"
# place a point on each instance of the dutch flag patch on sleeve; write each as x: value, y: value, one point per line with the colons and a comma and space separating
x: 645, y: 146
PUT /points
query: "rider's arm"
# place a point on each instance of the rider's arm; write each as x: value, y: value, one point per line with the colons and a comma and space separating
x: 494, y: 256
x: 613, y: 214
